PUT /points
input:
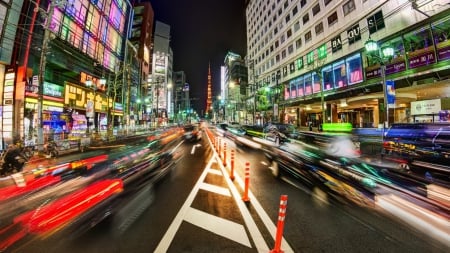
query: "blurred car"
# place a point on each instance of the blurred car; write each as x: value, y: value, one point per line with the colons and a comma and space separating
x: 254, y: 130
x: 323, y: 169
x: 280, y: 132
x: 192, y: 133
x: 422, y: 148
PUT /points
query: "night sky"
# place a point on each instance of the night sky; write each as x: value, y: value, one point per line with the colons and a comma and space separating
x: 202, y: 32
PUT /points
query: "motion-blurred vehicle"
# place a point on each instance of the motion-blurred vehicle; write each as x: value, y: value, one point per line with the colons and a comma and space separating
x: 280, y: 133
x: 254, y: 130
x: 323, y: 170
x: 422, y: 148
x: 192, y: 133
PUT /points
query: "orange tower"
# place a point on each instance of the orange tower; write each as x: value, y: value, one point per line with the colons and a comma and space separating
x: 209, y: 96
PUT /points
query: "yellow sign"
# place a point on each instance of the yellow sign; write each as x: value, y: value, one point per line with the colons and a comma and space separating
x: 78, y: 97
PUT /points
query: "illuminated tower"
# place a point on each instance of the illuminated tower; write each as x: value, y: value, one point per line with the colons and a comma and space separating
x: 209, y: 97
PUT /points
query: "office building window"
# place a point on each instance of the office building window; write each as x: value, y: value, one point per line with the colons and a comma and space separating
x: 319, y: 28
x: 316, y: 9
x: 290, y: 49
x: 289, y: 33
x: 302, y: 3
x: 305, y: 18
x: 298, y: 43
x: 348, y: 7
x: 308, y: 36
x: 296, y: 26
x: 333, y: 18
x: 294, y: 10
x: 326, y: 2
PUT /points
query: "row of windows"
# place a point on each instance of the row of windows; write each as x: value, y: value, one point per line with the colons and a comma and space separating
x: 318, y: 29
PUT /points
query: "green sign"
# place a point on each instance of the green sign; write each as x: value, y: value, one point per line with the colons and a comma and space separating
x: 322, y: 51
x: 310, y: 58
x: 54, y: 90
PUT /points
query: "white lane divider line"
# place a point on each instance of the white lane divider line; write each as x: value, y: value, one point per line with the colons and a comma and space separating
x: 218, y: 225
x: 215, y: 189
x: 260, y: 211
x: 258, y: 239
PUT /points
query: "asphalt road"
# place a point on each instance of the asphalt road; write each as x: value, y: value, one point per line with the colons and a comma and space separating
x: 197, y: 208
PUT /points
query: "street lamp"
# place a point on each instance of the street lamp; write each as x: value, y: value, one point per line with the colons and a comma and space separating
x: 382, y: 55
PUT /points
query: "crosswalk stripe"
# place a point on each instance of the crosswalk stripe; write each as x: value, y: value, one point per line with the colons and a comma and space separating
x: 218, y: 225
x: 215, y: 189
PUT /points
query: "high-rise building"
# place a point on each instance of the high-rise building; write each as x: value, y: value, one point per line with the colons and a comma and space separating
x: 312, y: 56
x: 160, y: 85
x: 235, y: 77
x: 141, y: 37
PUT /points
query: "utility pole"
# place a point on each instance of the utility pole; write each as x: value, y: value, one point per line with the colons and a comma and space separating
x: 42, y: 63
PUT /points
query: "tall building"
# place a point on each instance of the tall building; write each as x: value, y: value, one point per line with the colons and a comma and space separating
x: 181, y: 96
x: 208, y: 108
x: 312, y: 55
x: 235, y: 77
x: 64, y: 70
x: 141, y: 38
x: 160, y: 86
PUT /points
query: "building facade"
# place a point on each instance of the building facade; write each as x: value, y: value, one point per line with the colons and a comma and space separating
x: 311, y: 55
x: 159, y: 84
x: 235, y: 88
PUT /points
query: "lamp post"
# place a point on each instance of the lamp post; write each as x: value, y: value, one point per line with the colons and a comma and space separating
x: 382, y: 56
x: 46, y: 39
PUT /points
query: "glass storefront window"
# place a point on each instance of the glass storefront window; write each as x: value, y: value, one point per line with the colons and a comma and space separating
x: 316, y: 82
x: 300, y: 87
x: 397, y: 63
x: 308, y: 84
x: 339, y: 72
x: 419, y: 47
x: 441, y: 35
x: 327, y: 76
x: 354, y: 68
x: 287, y: 92
x: 293, y: 89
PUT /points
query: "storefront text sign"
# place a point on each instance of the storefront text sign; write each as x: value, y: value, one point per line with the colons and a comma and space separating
x: 53, y: 90
x: 421, y: 60
x: 424, y: 107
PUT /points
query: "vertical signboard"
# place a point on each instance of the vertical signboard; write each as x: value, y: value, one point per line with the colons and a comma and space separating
x: 8, y: 103
x: 390, y: 92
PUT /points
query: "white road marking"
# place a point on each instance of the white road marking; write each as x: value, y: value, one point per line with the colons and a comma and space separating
x: 218, y: 225
x: 262, y: 214
x: 164, y: 244
x: 258, y: 239
x: 193, y: 148
x: 215, y: 189
x: 215, y: 171
x: 185, y: 213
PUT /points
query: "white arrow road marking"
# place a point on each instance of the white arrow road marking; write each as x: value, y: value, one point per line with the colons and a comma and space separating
x: 217, y: 225
x: 195, y: 146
